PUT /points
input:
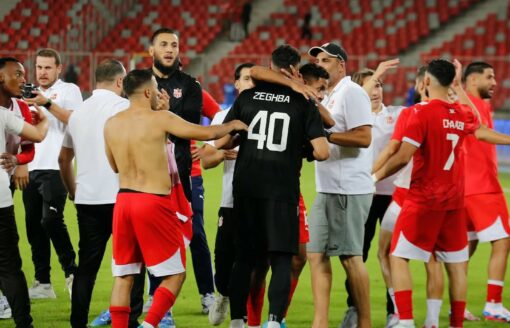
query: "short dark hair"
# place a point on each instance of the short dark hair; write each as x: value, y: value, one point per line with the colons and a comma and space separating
x: 108, y: 70
x: 284, y: 56
x: 237, y: 73
x: 475, y: 67
x: 162, y: 30
x: 49, y: 53
x: 5, y: 60
x: 313, y: 71
x: 420, y: 72
x: 135, y: 79
x: 442, y: 70
x: 360, y: 75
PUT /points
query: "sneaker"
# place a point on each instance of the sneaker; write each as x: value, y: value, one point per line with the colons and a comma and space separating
x: 207, y: 302
x: 468, y: 316
x: 147, y: 305
x: 392, y: 320
x: 167, y: 321
x: 350, y: 319
x: 5, y: 309
x: 104, y: 319
x: 500, y: 314
x: 401, y: 325
x: 219, y: 310
x: 282, y: 324
x: 69, y: 284
x: 38, y: 291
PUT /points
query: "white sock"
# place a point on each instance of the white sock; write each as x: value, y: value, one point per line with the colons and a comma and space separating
x: 147, y: 325
x: 273, y: 324
x: 237, y: 323
x: 433, y: 310
x: 391, y: 292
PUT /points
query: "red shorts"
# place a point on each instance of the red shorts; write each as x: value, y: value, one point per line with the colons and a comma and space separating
x: 146, y: 229
x: 304, y: 236
x: 419, y: 231
x: 399, y: 195
x: 487, y: 217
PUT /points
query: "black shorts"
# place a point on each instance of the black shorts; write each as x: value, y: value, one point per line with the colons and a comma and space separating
x: 266, y: 225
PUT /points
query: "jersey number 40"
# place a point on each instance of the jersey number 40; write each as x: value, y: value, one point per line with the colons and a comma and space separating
x: 265, y: 137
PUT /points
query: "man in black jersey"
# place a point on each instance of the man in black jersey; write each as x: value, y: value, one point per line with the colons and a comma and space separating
x: 266, y: 183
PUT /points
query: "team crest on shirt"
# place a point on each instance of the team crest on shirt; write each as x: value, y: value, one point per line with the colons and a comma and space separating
x: 220, y: 221
x: 390, y: 120
x: 177, y: 93
x: 53, y: 96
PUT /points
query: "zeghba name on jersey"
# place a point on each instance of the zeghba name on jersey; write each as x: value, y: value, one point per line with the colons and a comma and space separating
x: 271, y: 97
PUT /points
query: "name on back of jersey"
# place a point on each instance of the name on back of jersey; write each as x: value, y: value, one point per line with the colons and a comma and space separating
x: 449, y: 124
x: 266, y: 96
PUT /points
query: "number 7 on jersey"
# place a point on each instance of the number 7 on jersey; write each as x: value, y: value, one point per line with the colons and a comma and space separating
x: 455, y: 140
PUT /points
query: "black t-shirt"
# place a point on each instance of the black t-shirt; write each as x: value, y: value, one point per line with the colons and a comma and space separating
x: 269, y: 160
x: 186, y: 101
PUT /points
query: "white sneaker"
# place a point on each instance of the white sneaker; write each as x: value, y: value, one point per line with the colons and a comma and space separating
x: 350, y: 319
x: 392, y: 320
x: 69, y: 284
x: 38, y: 291
x: 5, y: 309
x: 219, y: 310
x: 147, y: 305
x: 496, y: 313
x: 207, y: 302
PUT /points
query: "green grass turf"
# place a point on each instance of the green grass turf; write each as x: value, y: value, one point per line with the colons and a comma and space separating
x: 55, y: 313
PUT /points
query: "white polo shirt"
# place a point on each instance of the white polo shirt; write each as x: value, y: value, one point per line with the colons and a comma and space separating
x: 382, y: 130
x: 67, y: 96
x: 96, y: 183
x: 227, y: 198
x: 9, y: 124
x: 348, y: 169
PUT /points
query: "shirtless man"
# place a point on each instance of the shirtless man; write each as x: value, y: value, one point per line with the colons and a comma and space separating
x: 147, y: 226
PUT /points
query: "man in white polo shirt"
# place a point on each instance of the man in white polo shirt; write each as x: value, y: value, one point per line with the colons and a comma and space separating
x: 344, y: 189
x: 95, y: 186
x: 45, y: 196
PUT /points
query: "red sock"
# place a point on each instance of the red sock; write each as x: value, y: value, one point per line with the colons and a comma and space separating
x: 293, y: 285
x: 162, y: 301
x: 457, y: 316
x: 404, y: 300
x: 254, y: 306
x: 494, y: 292
x: 120, y: 316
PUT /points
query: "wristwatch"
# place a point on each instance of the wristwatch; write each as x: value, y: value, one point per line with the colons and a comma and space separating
x: 328, y: 135
x: 48, y: 104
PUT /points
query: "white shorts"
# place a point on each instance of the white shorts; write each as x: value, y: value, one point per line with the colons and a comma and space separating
x: 390, y: 217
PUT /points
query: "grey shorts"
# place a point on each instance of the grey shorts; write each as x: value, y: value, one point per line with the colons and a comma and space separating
x: 337, y: 224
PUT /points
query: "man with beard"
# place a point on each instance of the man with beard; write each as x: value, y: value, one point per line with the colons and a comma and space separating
x: 485, y: 205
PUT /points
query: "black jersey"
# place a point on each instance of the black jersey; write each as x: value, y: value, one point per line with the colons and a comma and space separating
x: 269, y: 160
x: 185, y: 101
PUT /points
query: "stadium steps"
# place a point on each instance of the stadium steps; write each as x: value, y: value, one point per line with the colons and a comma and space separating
x: 222, y: 46
x: 6, y: 7
x: 481, y: 10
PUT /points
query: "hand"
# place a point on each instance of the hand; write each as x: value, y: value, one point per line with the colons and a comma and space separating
x: 8, y: 161
x: 40, y: 99
x: 20, y: 177
x: 197, y: 153
x: 384, y: 66
x: 238, y: 125
x: 458, y: 73
x: 37, y: 116
x: 230, y: 154
x: 293, y: 74
x: 307, y: 91
x: 163, y: 100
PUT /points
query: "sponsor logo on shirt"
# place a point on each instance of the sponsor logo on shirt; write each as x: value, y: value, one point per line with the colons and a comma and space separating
x: 177, y: 93
x: 266, y: 96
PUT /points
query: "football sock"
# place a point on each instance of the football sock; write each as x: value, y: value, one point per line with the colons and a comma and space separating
x: 293, y: 285
x: 404, y: 301
x: 433, y: 310
x: 161, y: 303
x: 457, y: 316
x: 254, y: 306
x: 120, y: 316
